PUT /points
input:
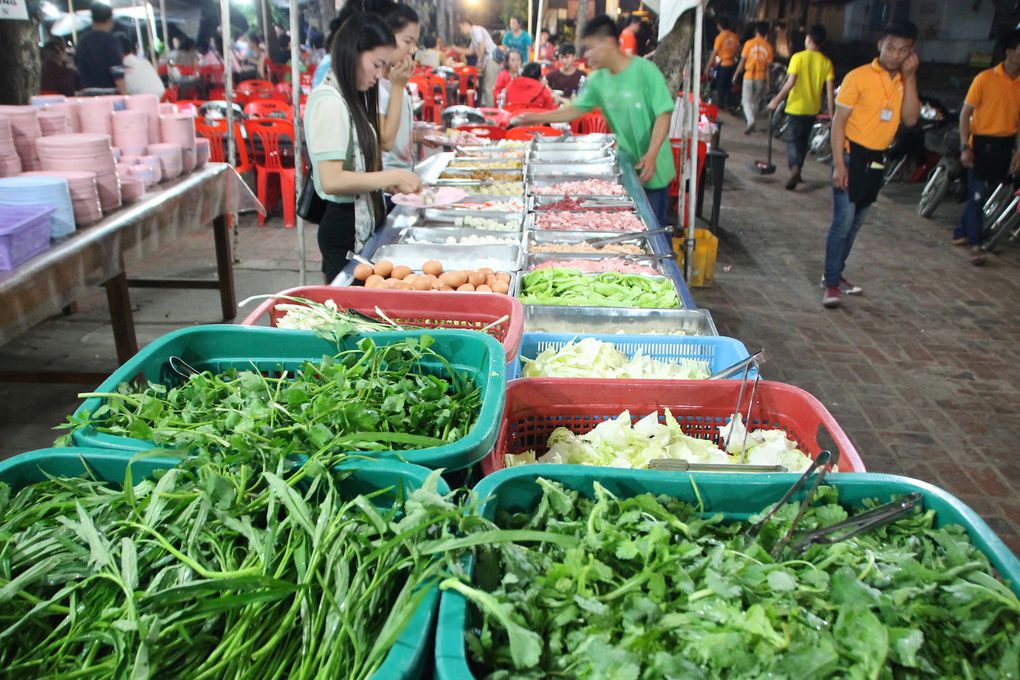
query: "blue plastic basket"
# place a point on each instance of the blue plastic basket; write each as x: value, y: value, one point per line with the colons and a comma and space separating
x: 387, y: 480
x: 718, y: 351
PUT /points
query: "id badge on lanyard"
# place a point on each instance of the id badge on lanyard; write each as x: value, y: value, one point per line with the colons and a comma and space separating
x: 886, y: 115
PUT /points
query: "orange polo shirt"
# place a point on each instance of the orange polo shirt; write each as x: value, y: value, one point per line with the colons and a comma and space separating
x: 758, y: 55
x: 628, y: 43
x: 727, y: 46
x: 869, y: 90
x: 996, y: 101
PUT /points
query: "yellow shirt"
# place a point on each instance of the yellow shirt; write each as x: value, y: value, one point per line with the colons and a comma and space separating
x: 757, y: 54
x: 813, y: 70
x: 726, y: 46
x: 996, y: 101
x: 877, y: 102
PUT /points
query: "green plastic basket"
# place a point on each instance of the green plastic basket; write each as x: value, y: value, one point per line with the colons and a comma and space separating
x: 736, y: 496
x: 218, y: 348
x: 407, y: 656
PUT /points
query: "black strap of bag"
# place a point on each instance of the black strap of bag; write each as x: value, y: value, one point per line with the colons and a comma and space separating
x: 311, y: 207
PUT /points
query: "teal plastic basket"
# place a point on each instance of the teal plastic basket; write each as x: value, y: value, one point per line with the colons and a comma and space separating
x: 217, y: 348
x: 720, y: 352
x: 409, y: 653
x: 736, y: 496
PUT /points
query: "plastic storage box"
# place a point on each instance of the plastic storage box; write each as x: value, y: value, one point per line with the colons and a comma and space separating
x: 537, y: 406
x: 718, y: 351
x: 408, y: 653
x: 24, y: 233
x: 464, y: 311
x: 736, y: 496
x: 218, y: 348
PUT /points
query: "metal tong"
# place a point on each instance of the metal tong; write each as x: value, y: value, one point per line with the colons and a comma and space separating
x: 621, y: 238
x: 182, y: 367
x: 756, y: 359
x: 860, y: 523
x: 682, y: 465
x: 821, y: 464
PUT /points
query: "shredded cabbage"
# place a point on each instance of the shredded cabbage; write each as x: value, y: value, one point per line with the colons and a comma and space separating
x: 591, y: 358
x: 625, y: 444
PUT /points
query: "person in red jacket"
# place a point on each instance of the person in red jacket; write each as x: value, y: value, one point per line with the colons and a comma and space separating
x: 527, y: 89
x: 511, y: 70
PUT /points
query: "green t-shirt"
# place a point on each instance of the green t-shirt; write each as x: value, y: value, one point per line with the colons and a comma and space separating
x: 630, y: 101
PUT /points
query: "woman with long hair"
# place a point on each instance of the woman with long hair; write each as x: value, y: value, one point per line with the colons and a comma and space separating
x: 342, y: 126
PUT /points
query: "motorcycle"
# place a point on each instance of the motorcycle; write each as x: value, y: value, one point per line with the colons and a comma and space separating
x: 1001, y: 214
x: 819, y: 144
x: 948, y: 177
x: 910, y: 143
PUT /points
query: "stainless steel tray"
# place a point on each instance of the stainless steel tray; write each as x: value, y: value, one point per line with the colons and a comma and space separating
x: 483, y: 163
x: 439, y: 235
x: 573, y: 170
x: 556, y: 155
x: 505, y: 258
x: 535, y: 259
x: 483, y: 151
x: 626, y: 320
x: 620, y: 201
x: 672, y: 285
x: 582, y: 142
x: 445, y: 218
x: 531, y: 220
x: 551, y: 237
x: 498, y: 174
x: 553, y: 181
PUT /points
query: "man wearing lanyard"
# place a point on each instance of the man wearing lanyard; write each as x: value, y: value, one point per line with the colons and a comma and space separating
x: 988, y: 130
x: 872, y: 102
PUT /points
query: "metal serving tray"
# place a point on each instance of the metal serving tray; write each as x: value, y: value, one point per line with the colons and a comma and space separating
x: 530, y: 224
x: 672, y: 285
x: 603, y: 154
x: 483, y: 151
x: 504, y: 258
x: 573, y: 170
x: 584, y: 142
x: 438, y: 235
x: 550, y: 237
x: 534, y: 259
x: 483, y: 163
x: 617, y: 201
x: 625, y: 320
x: 443, y: 218
x: 549, y: 181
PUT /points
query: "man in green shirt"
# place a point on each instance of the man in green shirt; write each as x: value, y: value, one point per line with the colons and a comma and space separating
x: 633, y: 96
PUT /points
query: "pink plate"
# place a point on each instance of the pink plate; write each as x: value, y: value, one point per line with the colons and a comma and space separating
x: 440, y: 197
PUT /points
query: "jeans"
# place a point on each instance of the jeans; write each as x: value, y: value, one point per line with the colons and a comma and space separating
x: 658, y: 199
x: 751, y: 98
x: 723, y: 85
x: 846, y: 222
x: 971, y: 223
x: 798, y: 134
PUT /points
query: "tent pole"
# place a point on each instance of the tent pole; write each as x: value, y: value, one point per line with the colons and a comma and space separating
x: 266, y: 28
x: 150, y: 28
x: 162, y: 21
x: 538, y: 28
x: 74, y: 22
x: 695, y: 119
x: 295, y: 82
x: 138, y: 27
x: 533, y: 33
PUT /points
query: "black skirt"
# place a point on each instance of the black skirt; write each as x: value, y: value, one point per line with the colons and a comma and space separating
x: 336, y: 237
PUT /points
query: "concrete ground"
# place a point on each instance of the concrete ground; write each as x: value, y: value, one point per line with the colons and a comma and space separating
x: 920, y: 371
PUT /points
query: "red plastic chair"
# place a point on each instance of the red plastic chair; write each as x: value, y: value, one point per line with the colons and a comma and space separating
x: 216, y: 132
x: 526, y: 132
x: 493, y: 132
x: 170, y: 94
x: 499, y: 117
x: 590, y: 123
x: 437, y: 87
x: 679, y: 147
x: 285, y: 89
x: 468, y: 88
x: 253, y: 85
x: 269, y: 131
x: 423, y: 83
x: 278, y: 73
x: 269, y: 108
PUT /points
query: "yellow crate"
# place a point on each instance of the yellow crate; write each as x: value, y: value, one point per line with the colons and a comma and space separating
x: 706, y: 249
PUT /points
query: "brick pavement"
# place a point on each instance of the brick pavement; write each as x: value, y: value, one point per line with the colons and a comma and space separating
x: 920, y: 371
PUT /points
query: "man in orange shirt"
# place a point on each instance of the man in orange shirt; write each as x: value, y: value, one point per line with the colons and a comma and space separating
x: 988, y: 130
x: 726, y: 47
x: 873, y: 100
x: 628, y: 36
x: 755, y: 60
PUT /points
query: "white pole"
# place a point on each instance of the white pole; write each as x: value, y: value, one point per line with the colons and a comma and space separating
x: 528, y: 26
x: 538, y: 27
x: 228, y: 81
x: 138, y: 27
x: 150, y: 27
x: 74, y: 22
x: 162, y: 21
x: 699, y: 18
x: 266, y: 28
x: 295, y: 87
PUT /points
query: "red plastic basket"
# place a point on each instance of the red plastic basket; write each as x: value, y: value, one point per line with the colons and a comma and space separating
x: 422, y: 309
x: 537, y: 406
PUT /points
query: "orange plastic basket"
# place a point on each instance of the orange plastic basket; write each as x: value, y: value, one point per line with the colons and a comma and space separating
x: 421, y: 309
x: 537, y: 406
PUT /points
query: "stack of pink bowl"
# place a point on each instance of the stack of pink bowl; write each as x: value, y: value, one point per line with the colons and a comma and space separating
x: 70, y: 111
x: 10, y: 162
x: 149, y: 103
x: 84, y: 193
x: 170, y: 159
x: 149, y: 169
x: 95, y: 115
x: 202, y: 151
x: 25, y: 129
x: 131, y: 132
x: 53, y: 123
x: 43, y: 100
x: 179, y: 129
x: 131, y: 188
x: 84, y: 152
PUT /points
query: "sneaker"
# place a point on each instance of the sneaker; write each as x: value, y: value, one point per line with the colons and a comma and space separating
x: 845, y: 287
x: 749, y: 129
x: 962, y: 241
x: 977, y: 256
x: 793, y: 182
x: 832, y: 298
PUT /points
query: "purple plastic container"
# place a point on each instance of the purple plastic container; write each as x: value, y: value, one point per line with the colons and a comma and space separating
x: 24, y: 233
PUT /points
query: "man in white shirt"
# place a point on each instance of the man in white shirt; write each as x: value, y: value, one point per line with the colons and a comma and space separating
x: 482, y: 46
x: 139, y: 75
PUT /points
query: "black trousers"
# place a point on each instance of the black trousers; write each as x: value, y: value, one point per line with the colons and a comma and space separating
x: 336, y: 237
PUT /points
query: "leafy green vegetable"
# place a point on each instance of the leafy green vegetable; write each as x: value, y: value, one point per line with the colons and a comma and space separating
x: 609, y: 289
x: 653, y: 589
x: 591, y: 358
x: 621, y: 443
x: 373, y: 398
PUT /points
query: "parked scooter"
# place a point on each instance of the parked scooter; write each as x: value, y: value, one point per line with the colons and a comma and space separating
x: 910, y: 143
x: 1001, y: 215
x: 819, y: 144
x: 948, y: 177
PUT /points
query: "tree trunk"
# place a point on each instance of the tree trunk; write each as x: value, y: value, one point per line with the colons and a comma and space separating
x: 582, y: 20
x: 19, y: 61
x: 675, y: 49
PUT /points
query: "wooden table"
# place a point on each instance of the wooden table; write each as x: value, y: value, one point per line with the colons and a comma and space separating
x: 94, y: 256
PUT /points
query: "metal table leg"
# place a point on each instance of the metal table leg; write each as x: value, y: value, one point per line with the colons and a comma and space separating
x: 225, y: 267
